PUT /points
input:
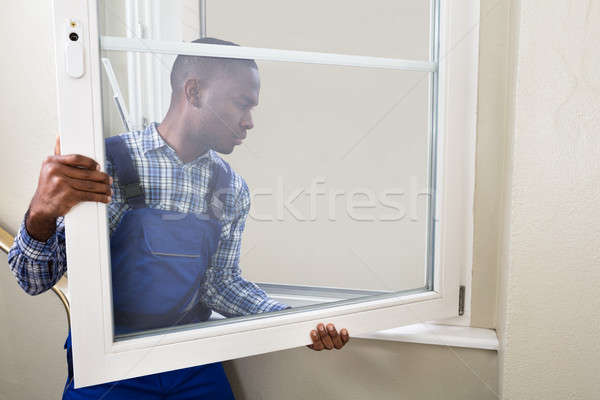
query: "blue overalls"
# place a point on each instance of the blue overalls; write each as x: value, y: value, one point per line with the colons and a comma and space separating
x: 158, y: 261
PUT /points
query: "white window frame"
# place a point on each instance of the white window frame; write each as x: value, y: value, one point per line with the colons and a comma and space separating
x: 98, y: 358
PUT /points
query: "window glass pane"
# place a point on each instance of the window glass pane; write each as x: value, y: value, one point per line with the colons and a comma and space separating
x: 389, y: 28
x: 331, y: 162
x: 336, y: 162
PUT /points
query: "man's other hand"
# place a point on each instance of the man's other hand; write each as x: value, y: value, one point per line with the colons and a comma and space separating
x: 65, y: 180
x: 328, y: 338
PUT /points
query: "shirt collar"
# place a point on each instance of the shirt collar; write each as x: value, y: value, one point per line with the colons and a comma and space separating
x: 151, y: 140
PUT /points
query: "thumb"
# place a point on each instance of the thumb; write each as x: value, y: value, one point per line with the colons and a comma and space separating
x: 57, y: 146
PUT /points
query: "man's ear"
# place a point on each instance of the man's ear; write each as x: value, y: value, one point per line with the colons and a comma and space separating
x: 193, y: 92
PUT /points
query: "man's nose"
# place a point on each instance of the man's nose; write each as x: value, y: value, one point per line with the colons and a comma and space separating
x: 247, y: 122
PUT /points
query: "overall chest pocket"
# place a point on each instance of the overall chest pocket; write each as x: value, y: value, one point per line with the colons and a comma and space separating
x: 174, y: 237
x: 176, y: 242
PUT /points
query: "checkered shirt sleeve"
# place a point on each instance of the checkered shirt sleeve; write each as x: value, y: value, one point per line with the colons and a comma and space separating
x: 38, y: 265
x: 224, y: 290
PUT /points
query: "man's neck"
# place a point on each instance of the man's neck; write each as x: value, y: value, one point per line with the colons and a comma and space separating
x: 179, y: 136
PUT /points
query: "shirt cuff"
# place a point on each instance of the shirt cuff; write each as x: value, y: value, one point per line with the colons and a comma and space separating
x: 33, y: 248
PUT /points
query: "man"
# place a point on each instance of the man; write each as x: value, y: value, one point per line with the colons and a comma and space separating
x: 167, y: 170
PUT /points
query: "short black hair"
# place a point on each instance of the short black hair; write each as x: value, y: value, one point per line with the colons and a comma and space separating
x: 208, y: 67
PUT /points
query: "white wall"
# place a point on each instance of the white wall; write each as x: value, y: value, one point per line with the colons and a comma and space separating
x: 32, y: 362
x: 32, y: 333
x: 550, y: 308
x: 367, y: 369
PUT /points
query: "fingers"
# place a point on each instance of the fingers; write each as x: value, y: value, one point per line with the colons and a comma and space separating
x: 344, y: 336
x: 316, y: 341
x: 335, y: 338
x: 81, y: 173
x: 89, y: 196
x: 328, y: 337
x: 89, y: 186
x: 78, y: 160
x: 324, y: 336
x: 85, y: 174
x: 57, y: 146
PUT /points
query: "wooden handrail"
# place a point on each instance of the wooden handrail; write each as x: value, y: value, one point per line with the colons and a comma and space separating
x: 61, y: 287
x: 6, y: 240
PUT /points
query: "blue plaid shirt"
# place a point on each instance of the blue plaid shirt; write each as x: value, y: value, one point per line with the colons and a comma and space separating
x: 168, y: 184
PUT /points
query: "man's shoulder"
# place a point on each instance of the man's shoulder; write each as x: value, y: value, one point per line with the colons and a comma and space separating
x: 238, y: 182
x: 133, y: 142
x: 133, y: 139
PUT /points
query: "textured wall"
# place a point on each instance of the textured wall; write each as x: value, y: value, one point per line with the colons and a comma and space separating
x: 550, y: 315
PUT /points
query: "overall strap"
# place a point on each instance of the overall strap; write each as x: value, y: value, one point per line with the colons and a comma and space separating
x: 220, y: 187
x: 118, y: 154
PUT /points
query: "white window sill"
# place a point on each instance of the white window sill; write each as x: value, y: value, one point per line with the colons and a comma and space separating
x: 425, y: 333
x: 442, y: 335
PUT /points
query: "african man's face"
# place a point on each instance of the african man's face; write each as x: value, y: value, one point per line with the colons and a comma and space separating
x: 227, y: 108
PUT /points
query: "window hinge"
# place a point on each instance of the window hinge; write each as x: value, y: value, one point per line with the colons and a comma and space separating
x: 461, y: 300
